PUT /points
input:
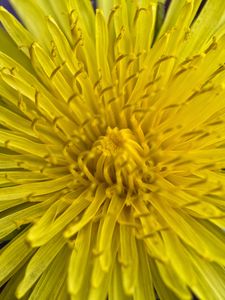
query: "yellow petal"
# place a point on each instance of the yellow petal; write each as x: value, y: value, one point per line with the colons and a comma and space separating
x: 178, y: 257
x: 173, y: 281
x: 39, y: 235
x: 10, y: 259
x: 128, y: 256
x: 144, y: 287
x: 116, y: 290
x: 90, y: 212
x: 19, y: 34
x: 162, y: 290
x: 35, y: 24
x: 52, y: 283
x: 106, y: 6
x: 205, y: 26
x: 79, y: 260
x: 35, y: 269
x: 12, y: 221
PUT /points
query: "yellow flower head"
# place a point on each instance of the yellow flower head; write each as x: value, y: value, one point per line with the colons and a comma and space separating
x: 112, y: 150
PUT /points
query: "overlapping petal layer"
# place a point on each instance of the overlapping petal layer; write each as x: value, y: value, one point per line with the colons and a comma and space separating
x: 112, y: 142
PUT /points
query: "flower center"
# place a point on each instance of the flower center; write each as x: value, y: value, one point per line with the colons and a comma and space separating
x: 113, y: 142
x: 120, y: 159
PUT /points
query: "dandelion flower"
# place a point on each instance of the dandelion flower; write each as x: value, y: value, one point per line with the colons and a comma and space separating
x: 112, y: 150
